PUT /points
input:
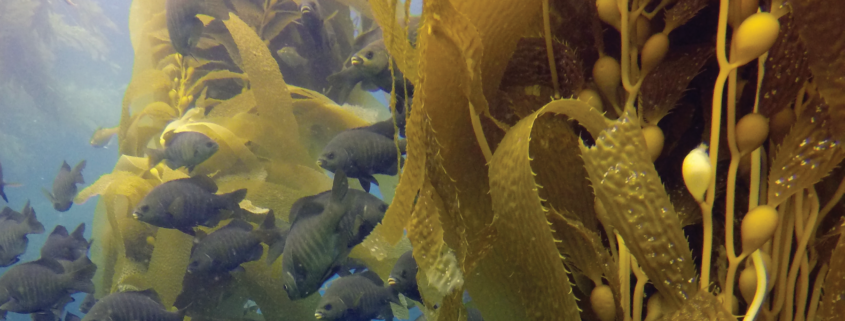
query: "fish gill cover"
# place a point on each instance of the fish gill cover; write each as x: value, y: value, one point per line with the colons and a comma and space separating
x: 500, y: 195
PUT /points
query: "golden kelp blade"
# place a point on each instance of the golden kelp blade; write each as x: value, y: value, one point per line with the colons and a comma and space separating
x: 702, y: 307
x: 832, y: 306
x: 525, y: 238
x: 169, y: 262
x: 396, y: 38
x: 808, y: 153
x: 626, y: 183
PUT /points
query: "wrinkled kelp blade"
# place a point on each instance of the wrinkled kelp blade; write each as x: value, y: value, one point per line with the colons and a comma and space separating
x: 808, y: 153
x: 665, y: 85
x: 832, y: 306
x: 702, y: 307
x: 786, y: 69
x: 638, y: 207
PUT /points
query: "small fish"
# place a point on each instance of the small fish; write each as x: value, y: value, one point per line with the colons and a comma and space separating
x: 184, y: 27
x: 230, y: 246
x: 183, y: 204
x: 38, y: 286
x: 14, y: 228
x: 132, y: 306
x: 315, y: 247
x: 64, y: 186
x: 358, y: 297
x: 87, y: 303
x: 363, y: 152
x: 403, y: 277
x: 187, y: 149
x: 102, y: 136
x: 63, y: 246
x: 291, y: 57
x: 4, y: 184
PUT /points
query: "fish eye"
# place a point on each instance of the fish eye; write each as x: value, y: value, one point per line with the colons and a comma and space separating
x: 370, y: 55
x: 328, y: 307
x: 285, y: 287
x: 404, y: 273
x: 145, y: 208
x: 209, y: 144
x: 330, y: 155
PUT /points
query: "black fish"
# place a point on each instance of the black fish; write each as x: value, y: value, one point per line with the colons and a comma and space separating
x: 55, y: 312
x: 186, y: 203
x: 363, y: 152
x: 63, y: 246
x: 315, y: 247
x: 228, y: 247
x: 4, y: 184
x: 312, y: 20
x: 64, y: 186
x: 38, y: 286
x: 358, y: 297
x: 183, y: 25
x: 187, y: 149
x: 403, y: 277
x: 14, y: 227
x: 87, y: 303
x: 132, y: 306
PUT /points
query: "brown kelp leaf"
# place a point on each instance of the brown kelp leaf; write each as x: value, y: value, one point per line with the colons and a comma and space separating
x: 143, y: 83
x: 241, y: 103
x: 665, y: 85
x: 396, y: 38
x: 520, y: 219
x: 786, y: 69
x: 499, y: 25
x: 701, y: 307
x: 529, y: 66
x: 820, y: 26
x: 576, y: 23
x: 832, y: 306
x: 808, y: 153
x: 683, y: 11
x: 169, y: 263
x: 629, y: 188
x: 271, y: 94
x: 279, y: 22
x: 201, y: 83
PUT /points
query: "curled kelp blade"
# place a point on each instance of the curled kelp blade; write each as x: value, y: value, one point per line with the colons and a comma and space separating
x: 834, y: 283
x: 627, y: 185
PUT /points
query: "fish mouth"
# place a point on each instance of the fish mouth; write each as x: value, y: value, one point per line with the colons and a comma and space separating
x: 306, y: 9
x: 321, y: 163
x: 318, y: 316
x: 357, y: 61
x: 391, y: 281
x: 136, y: 216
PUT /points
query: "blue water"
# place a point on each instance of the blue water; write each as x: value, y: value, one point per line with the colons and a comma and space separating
x: 33, y: 142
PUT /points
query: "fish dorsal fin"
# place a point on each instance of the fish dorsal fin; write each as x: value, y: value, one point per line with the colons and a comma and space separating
x: 203, y: 182
x: 65, y: 167
x: 384, y: 128
x: 240, y: 224
x: 372, y: 276
x: 49, y: 263
x: 79, y: 232
x: 340, y: 186
x: 269, y: 222
x: 10, y: 214
x: 27, y: 210
x: 306, y: 207
x: 60, y: 231
x: 150, y: 293
x: 177, y: 206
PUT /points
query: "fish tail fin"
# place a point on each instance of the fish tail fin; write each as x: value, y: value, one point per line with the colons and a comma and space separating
x: 35, y: 227
x: 79, y: 232
x: 80, y: 273
x: 2, y: 193
x: 77, y: 172
x: 155, y: 157
x: 234, y: 198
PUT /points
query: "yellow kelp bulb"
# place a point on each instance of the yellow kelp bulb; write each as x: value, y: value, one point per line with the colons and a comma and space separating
x: 734, y: 302
x: 603, y: 304
x: 643, y: 30
x: 653, y: 141
x: 653, y: 51
x: 751, y: 132
x: 755, y: 36
x: 172, y: 94
x: 607, y: 75
x: 151, y: 240
x: 609, y: 12
x: 697, y: 172
x: 781, y: 123
x: 592, y: 98
x: 757, y: 227
x: 748, y: 283
x: 654, y: 307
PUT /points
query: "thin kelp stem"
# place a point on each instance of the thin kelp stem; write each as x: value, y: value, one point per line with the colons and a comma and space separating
x: 642, y: 279
x: 762, y: 284
x: 817, y: 292
x: 547, y: 29
x: 800, y: 251
x: 624, y: 277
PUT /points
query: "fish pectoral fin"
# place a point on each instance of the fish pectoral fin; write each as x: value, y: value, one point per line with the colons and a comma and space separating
x: 49, y: 195
x: 176, y: 207
x: 365, y: 184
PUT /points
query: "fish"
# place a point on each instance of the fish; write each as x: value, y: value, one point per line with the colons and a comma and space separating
x: 183, y: 26
x: 403, y: 277
x: 473, y: 314
x: 358, y: 297
x: 102, y: 136
x: 230, y: 246
x: 14, y: 228
x: 315, y: 247
x: 312, y: 20
x: 54, y: 314
x: 291, y: 57
x: 64, y: 186
x: 132, y: 305
x: 63, y: 246
x: 4, y: 184
x: 185, y: 203
x: 187, y: 149
x: 363, y: 152
x: 87, y: 303
x: 39, y: 285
